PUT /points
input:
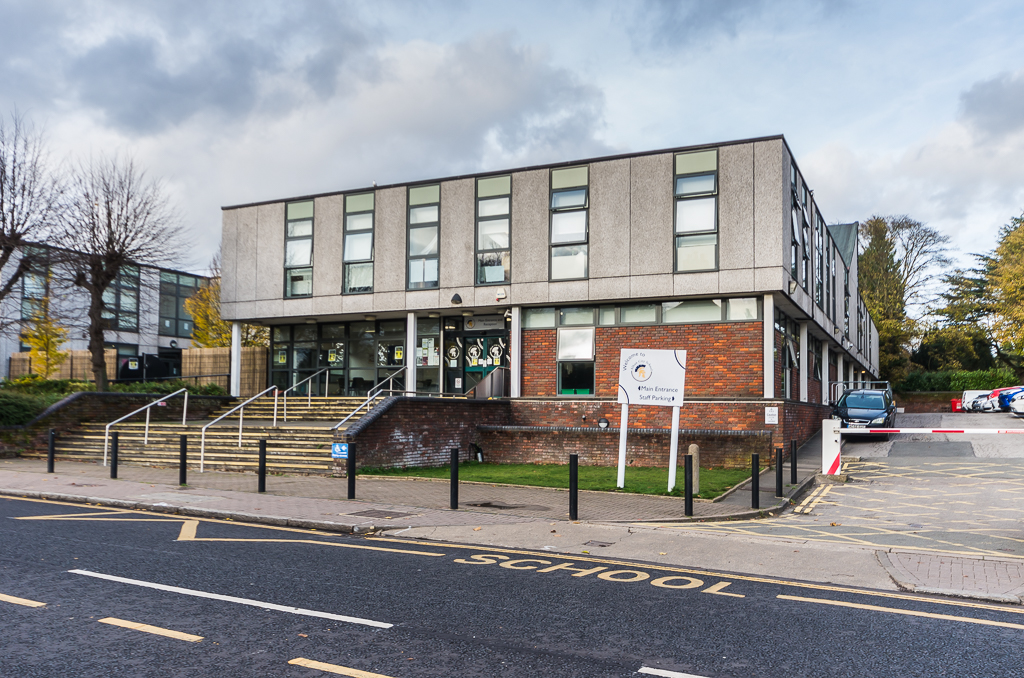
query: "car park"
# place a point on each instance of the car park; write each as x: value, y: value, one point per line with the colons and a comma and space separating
x: 865, y: 408
x: 991, y: 403
x: 1017, y: 404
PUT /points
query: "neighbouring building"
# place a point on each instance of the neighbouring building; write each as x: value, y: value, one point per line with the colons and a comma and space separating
x: 145, y: 307
x: 719, y: 249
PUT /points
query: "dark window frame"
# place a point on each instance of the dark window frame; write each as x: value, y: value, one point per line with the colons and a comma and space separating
x: 678, y: 198
x: 552, y: 211
x: 287, y: 239
x: 482, y: 220
x: 410, y: 227
x: 345, y: 263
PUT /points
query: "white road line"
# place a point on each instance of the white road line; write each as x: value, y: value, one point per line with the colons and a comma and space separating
x: 666, y: 674
x: 232, y: 599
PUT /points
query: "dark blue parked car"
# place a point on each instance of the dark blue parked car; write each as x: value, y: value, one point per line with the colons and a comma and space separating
x: 1006, y: 396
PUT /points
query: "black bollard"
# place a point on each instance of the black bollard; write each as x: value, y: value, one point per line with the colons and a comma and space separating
x: 261, y: 471
x: 51, y: 451
x: 350, y: 471
x: 778, y: 473
x: 755, y: 481
x: 792, y: 462
x: 688, y: 485
x: 183, y: 460
x: 113, y: 456
x: 453, y: 502
x: 574, y: 487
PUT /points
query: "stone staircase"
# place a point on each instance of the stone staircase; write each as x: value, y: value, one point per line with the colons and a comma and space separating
x: 302, y: 444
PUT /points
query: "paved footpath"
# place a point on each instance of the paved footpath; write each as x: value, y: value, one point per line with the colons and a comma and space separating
x: 808, y: 545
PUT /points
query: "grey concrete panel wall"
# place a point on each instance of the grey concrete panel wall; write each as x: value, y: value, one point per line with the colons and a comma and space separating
x: 736, y: 207
x: 486, y: 296
x: 651, y: 285
x: 609, y: 218
x: 466, y: 293
x: 738, y: 280
x: 270, y: 251
x: 528, y: 293
x: 228, y: 255
x: 609, y: 288
x: 458, y: 231
x: 695, y: 283
x: 328, y: 236
x: 569, y: 290
x: 530, y: 224
x: 651, y: 205
x: 771, y: 203
x: 245, y: 254
x: 357, y: 303
x: 389, y: 254
x: 422, y: 299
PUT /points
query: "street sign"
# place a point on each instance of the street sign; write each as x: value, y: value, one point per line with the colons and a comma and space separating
x: 339, y: 450
x: 651, y: 377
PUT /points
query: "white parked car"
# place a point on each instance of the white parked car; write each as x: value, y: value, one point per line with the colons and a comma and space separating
x: 1017, y: 405
x: 967, y: 400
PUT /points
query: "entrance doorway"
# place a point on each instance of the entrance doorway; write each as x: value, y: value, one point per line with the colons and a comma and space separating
x: 473, y: 348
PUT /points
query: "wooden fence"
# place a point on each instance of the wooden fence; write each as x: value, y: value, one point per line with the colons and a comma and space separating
x: 78, y: 365
x: 196, y: 362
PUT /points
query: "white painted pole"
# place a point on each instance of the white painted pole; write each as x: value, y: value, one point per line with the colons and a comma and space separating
x: 516, y: 344
x: 621, y: 482
x: 236, y: 359
x: 673, y: 450
x: 831, y: 446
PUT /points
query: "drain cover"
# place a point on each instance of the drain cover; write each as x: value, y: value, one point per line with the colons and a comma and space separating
x: 83, y: 485
x: 374, y: 513
x: 598, y: 543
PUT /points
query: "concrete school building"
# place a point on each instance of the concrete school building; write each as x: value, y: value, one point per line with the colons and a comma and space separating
x: 547, y: 271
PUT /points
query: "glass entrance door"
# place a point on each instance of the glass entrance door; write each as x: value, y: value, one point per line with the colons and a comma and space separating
x: 482, y: 356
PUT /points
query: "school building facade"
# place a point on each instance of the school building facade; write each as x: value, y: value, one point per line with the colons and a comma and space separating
x: 548, y: 271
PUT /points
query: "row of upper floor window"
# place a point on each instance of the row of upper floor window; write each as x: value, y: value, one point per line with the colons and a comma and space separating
x: 695, y: 229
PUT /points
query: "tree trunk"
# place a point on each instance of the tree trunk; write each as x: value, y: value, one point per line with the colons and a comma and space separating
x: 99, y: 359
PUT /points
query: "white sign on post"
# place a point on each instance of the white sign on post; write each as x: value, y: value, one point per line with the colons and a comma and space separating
x: 651, y: 377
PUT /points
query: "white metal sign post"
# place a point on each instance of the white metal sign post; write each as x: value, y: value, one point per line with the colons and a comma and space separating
x: 651, y: 377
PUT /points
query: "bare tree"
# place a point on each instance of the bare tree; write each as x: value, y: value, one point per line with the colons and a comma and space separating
x: 114, y: 217
x: 30, y: 196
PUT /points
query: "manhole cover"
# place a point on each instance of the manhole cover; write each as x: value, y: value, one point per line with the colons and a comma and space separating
x: 598, y: 543
x: 504, y: 506
x: 374, y: 513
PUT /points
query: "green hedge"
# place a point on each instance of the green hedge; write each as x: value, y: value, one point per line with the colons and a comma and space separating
x: 20, y: 408
x: 957, y: 380
x: 33, y: 384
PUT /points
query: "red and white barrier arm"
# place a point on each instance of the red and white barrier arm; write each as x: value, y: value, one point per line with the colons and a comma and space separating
x: 848, y: 431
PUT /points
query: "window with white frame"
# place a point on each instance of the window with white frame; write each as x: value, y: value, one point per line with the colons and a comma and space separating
x: 575, y: 354
x: 696, y: 215
x: 569, y: 228
x: 298, y: 249
x: 357, y: 254
x: 493, y: 219
x: 424, y: 232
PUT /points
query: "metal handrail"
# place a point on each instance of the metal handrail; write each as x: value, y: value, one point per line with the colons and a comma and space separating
x: 471, y: 393
x: 371, y: 396
x: 309, y: 393
x: 241, y: 416
x: 145, y: 439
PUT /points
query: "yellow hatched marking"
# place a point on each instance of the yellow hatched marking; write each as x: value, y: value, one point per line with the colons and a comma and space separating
x: 155, y: 630
x: 334, y: 668
x: 20, y: 601
x: 910, y: 613
x: 805, y: 502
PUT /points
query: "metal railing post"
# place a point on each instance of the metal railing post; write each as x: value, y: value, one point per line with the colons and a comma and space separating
x: 51, y: 451
x: 574, y: 483
x: 261, y: 485
x: 113, y: 456
x: 453, y: 502
x: 755, y: 481
x: 350, y: 471
x: 184, y: 411
x: 183, y: 460
x: 145, y: 438
x: 275, y: 408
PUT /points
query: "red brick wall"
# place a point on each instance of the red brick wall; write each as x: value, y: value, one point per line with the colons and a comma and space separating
x: 723, y: 360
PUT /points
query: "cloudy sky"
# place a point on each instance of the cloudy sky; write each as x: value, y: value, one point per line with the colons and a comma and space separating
x: 890, y: 107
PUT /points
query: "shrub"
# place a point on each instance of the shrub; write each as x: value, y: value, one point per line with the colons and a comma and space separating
x: 20, y: 408
x: 982, y: 380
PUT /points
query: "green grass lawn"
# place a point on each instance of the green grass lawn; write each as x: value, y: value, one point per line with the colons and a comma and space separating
x: 713, y: 481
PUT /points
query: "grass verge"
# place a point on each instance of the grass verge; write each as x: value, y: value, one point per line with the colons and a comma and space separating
x: 713, y: 481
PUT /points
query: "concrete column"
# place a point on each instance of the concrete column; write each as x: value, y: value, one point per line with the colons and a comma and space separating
x: 410, y: 353
x: 768, y: 366
x: 824, y: 372
x: 840, y: 367
x: 516, y: 353
x: 236, y: 359
x: 803, y: 362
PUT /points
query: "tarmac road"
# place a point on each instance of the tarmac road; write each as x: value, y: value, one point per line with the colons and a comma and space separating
x: 405, y: 608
